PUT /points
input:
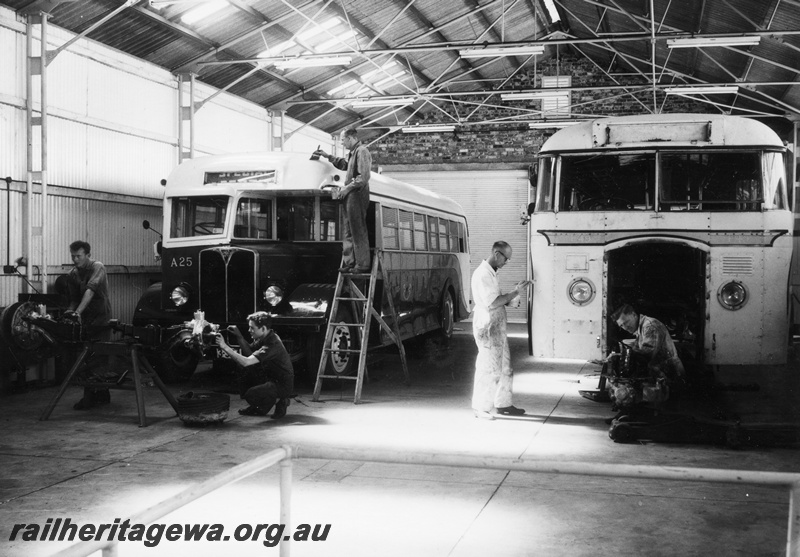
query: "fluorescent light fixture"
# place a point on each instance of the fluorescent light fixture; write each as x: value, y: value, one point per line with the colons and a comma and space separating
x: 312, y: 62
x: 702, y: 90
x: 695, y: 42
x: 533, y: 95
x: 397, y: 101
x: 552, y: 124
x: 202, y: 11
x: 493, y: 52
x: 429, y: 128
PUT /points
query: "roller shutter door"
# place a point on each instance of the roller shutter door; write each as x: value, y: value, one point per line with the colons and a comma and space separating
x: 493, y: 201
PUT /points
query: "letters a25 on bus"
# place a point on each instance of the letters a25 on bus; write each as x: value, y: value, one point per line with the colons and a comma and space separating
x: 686, y: 217
x: 246, y: 233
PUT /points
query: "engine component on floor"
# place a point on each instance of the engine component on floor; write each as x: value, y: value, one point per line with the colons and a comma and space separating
x: 203, y: 408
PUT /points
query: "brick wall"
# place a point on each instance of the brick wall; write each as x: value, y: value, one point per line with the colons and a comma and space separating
x: 515, y: 144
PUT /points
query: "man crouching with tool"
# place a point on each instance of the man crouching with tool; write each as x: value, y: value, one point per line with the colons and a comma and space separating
x: 265, y: 374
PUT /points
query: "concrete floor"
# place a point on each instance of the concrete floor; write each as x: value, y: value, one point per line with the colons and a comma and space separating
x: 96, y: 466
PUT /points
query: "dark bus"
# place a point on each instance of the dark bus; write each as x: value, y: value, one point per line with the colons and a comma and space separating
x: 260, y: 232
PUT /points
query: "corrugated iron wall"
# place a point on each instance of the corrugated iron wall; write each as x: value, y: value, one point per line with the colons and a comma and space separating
x: 112, y: 136
x: 113, y: 228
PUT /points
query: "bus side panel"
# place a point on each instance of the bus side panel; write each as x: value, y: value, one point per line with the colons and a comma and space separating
x: 577, y: 328
x: 776, y: 308
x: 417, y: 282
x: 756, y: 333
x: 404, y: 282
x: 543, y: 301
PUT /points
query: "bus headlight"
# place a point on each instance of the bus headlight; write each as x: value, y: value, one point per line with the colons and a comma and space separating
x: 732, y: 295
x: 273, y: 295
x: 580, y: 291
x: 179, y: 296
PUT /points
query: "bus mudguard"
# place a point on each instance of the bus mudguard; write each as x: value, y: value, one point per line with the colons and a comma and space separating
x: 310, y: 306
x: 148, y: 308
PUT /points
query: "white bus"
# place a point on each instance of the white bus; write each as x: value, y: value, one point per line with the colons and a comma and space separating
x: 683, y: 216
x: 259, y: 231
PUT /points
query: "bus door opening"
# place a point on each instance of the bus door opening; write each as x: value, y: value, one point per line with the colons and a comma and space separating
x: 665, y: 281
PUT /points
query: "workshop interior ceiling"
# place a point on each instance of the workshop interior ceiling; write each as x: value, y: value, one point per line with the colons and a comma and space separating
x: 410, y: 54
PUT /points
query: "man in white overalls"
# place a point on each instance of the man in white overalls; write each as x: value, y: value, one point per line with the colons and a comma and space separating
x: 493, y: 375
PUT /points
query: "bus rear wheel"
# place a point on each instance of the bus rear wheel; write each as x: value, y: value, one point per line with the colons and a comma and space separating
x: 447, y: 315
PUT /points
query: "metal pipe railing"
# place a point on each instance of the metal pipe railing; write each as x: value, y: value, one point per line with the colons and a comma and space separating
x: 282, y: 455
x: 285, y: 455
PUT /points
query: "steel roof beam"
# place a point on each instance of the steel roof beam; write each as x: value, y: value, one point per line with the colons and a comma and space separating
x: 409, y: 41
x: 446, y: 95
x: 267, y: 23
x: 473, y: 42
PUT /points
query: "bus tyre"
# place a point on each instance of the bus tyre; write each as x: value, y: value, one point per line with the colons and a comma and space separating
x: 343, y: 364
x: 447, y: 315
x: 174, y: 364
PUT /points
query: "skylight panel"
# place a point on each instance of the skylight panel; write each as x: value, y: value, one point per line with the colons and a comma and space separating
x: 316, y: 29
x: 328, y: 45
x: 343, y: 86
x: 276, y: 50
x: 551, y: 9
x: 393, y: 79
x: 387, y: 66
x: 344, y: 39
x: 203, y: 11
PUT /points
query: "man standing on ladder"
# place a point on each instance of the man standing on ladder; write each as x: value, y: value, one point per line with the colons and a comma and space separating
x: 355, y: 196
x: 493, y: 376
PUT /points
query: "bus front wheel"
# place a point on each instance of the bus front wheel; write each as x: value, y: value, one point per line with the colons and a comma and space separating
x: 344, y: 338
x: 174, y: 363
x: 339, y: 364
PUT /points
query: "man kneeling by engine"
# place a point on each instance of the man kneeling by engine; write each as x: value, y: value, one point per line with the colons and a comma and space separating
x: 265, y: 373
x: 654, y: 348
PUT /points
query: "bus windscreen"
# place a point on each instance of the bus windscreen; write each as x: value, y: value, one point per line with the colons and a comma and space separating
x: 728, y: 181
x: 607, y: 182
x: 198, y: 216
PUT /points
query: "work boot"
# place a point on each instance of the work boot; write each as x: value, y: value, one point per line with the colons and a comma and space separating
x: 280, y: 408
x: 510, y: 411
x: 253, y: 411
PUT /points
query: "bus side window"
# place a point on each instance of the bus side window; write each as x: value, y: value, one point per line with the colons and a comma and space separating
x: 406, y: 234
x: 546, y: 184
x: 443, y: 243
x: 453, y: 235
x: 253, y: 219
x: 295, y: 218
x: 329, y: 228
x: 420, y: 234
x: 390, y: 226
x: 775, y: 194
x: 433, y: 233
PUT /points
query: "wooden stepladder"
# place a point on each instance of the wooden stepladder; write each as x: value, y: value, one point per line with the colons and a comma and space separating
x: 350, y: 288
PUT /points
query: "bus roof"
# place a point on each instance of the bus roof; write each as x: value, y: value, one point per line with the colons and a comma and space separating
x: 659, y: 130
x: 189, y: 178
